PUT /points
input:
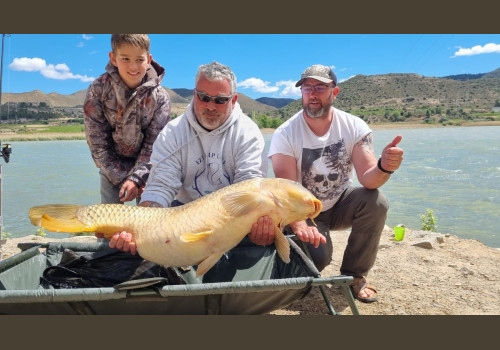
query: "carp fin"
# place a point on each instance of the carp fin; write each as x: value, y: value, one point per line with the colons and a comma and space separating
x: 282, y: 245
x: 194, y: 237
x: 207, y: 264
x: 64, y: 225
x: 66, y: 211
x: 58, y: 218
x: 241, y: 203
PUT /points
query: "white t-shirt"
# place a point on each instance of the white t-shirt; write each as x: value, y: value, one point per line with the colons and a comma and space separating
x: 323, y: 163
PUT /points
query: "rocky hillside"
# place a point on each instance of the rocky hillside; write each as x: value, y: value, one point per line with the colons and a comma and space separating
x: 275, y: 102
x: 75, y: 101
x: 361, y: 94
x: 412, y: 91
x: 54, y: 99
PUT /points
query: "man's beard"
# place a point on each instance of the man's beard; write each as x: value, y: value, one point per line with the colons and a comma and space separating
x: 319, y: 113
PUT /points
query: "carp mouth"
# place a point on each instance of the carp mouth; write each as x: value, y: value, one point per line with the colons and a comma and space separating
x: 317, y: 208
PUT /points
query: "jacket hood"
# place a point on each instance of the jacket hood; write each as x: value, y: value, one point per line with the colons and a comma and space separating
x: 235, y: 114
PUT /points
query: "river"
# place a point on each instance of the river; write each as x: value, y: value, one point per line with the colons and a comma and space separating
x: 455, y: 171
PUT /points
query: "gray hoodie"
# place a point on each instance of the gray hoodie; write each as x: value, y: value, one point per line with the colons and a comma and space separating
x: 189, y: 162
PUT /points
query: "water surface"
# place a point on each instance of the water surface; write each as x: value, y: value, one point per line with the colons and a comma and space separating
x: 455, y: 171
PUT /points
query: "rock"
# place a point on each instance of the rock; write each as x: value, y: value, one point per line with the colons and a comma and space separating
x: 424, y: 244
x: 465, y: 271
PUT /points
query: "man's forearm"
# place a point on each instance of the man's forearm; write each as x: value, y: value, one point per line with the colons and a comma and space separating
x: 151, y: 204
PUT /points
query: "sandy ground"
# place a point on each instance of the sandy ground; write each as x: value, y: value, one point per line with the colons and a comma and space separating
x: 426, y: 273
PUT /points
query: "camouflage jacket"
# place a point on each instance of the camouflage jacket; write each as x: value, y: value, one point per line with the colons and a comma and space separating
x: 122, y: 124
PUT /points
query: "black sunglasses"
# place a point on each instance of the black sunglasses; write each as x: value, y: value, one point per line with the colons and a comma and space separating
x: 220, y: 100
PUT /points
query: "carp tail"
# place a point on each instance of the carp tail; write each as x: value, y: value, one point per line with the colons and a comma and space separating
x: 58, y: 218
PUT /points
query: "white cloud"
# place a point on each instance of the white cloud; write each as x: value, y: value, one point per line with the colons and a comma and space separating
x: 27, y: 64
x: 478, y: 49
x: 59, y: 71
x: 257, y: 85
x: 87, y: 37
x: 80, y: 44
x: 289, y: 89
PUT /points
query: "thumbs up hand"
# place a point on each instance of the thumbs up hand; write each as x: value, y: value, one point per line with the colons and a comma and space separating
x: 392, y: 155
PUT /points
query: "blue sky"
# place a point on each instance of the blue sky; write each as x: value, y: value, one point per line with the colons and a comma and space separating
x: 264, y: 64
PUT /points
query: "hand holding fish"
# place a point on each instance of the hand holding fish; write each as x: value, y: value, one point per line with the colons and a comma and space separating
x: 308, y: 234
x: 123, y: 241
x: 262, y: 231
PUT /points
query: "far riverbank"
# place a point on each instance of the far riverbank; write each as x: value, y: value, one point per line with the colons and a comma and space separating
x: 55, y: 136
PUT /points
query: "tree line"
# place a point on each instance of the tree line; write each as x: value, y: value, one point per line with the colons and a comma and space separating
x: 28, y: 110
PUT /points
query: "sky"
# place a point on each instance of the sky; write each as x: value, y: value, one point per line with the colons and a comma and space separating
x: 265, y: 65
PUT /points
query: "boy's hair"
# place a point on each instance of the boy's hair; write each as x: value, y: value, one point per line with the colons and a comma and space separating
x: 138, y: 40
x: 216, y: 71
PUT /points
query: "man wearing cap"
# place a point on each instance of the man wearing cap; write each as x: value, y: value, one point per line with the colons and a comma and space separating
x: 321, y: 147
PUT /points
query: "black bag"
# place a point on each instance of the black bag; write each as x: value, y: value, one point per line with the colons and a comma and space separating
x: 105, y: 268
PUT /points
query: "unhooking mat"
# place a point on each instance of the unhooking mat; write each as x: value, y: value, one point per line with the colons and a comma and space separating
x: 249, y: 279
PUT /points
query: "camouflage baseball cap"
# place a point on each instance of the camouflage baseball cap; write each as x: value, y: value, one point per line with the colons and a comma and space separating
x: 318, y: 72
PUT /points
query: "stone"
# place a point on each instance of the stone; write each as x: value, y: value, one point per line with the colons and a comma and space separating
x: 424, y: 244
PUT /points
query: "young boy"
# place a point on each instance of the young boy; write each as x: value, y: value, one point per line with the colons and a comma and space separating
x: 124, y: 111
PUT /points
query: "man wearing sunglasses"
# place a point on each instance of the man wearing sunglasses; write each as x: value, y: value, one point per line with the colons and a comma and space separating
x: 212, y: 145
x: 321, y: 147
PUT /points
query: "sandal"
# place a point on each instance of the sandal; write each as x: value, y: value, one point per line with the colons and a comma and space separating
x: 358, y: 285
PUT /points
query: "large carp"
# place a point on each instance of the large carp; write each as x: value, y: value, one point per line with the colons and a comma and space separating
x: 197, y: 233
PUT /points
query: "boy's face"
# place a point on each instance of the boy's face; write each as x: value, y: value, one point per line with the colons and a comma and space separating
x: 132, y: 63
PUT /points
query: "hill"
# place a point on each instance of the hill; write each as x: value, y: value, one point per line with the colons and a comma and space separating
x: 52, y: 99
x: 464, y: 77
x: 374, y: 98
x: 248, y: 105
x: 186, y: 93
x: 370, y: 96
x: 74, y: 102
x: 275, y: 102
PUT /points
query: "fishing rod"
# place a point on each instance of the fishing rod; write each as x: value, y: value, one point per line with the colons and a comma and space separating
x: 5, y: 151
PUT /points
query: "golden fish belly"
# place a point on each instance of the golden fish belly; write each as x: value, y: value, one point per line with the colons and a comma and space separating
x: 162, y: 240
